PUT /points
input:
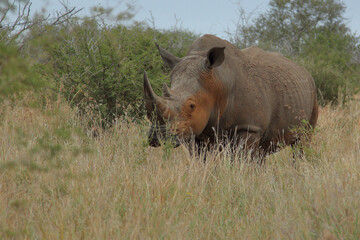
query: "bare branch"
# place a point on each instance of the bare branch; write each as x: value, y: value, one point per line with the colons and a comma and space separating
x: 6, y: 11
x: 23, y: 21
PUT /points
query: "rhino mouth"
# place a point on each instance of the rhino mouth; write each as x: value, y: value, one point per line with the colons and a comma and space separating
x: 160, y: 134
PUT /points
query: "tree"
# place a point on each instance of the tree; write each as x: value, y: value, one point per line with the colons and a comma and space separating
x: 288, y: 24
x: 313, y: 33
x: 13, y: 31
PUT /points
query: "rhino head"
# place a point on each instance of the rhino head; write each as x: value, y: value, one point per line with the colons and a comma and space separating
x: 185, y: 108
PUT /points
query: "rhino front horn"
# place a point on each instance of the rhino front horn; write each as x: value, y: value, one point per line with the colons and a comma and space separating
x: 148, y: 91
x: 150, y: 98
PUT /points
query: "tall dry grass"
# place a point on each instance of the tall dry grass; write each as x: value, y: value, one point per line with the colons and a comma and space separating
x: 56, y: 182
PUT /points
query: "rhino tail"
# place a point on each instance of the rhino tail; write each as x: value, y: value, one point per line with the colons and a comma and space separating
x: 314, y: 114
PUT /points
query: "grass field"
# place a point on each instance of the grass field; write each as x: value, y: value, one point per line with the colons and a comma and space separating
x: 57, y: 182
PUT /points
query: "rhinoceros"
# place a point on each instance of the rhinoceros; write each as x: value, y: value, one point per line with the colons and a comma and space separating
x: 218, y: 91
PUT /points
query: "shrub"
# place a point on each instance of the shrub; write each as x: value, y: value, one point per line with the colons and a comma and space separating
x: 16, y: 72
x: 313, y: 33
x: 328, y: 56
x: 99, y: 68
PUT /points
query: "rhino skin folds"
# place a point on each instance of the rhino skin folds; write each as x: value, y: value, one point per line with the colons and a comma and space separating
x: 249, y: 96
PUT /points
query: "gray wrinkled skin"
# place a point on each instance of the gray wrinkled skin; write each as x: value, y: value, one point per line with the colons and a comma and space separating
x: 250, y: 95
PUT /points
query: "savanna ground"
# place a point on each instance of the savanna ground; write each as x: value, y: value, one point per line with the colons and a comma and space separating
x: 61, y: 179
x: 59, y: 182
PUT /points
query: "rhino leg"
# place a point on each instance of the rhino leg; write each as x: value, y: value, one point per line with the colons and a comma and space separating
x: 243, y: 143
x: 297, y: 151
x: 249, y: 142
x: 198, y: 149
x: 304, y: 139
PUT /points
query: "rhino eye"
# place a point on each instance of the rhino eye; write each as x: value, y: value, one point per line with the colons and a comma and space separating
x: 192, y: 106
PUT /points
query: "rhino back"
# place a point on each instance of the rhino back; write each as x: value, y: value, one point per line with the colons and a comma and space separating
x: 207, y: 41
x: 279, y: 88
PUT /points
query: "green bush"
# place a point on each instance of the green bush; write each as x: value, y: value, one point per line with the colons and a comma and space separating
x: 328, y: 57
x: 313, y: 33
x: 329, y: 80
x: 16, y: 72
x: 99, y: 68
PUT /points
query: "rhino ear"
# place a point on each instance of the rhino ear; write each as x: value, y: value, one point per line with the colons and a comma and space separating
x: 169, y: 59
x: 215, y: 57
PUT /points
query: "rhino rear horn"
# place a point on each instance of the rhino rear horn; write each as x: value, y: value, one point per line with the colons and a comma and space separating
x: 215, y: 57
x: 169, y: 59
x: 166, y: 90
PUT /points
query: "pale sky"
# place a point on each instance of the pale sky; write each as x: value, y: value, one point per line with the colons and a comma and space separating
x: 200, y: 16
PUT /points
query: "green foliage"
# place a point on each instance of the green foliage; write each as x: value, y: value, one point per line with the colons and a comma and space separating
x: 329, y: 58
x: 16, y: 72
x: 99, y: 68
x: 289, y: 24
x: 330, y: 47
x: 96, y: 66
x: 314, y: 34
